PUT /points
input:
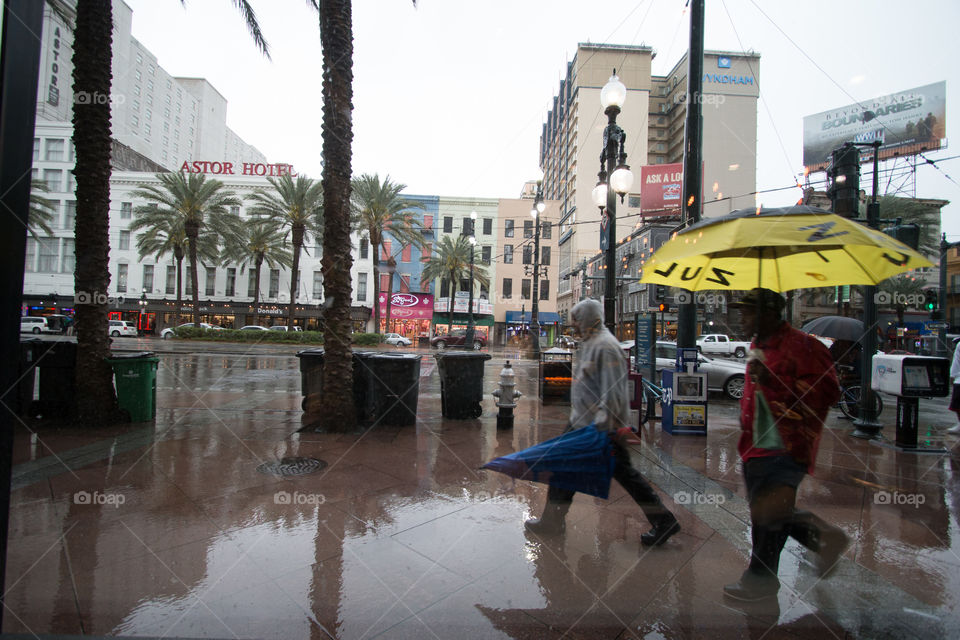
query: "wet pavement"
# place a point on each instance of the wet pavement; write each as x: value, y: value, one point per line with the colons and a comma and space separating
x: 168, y: 529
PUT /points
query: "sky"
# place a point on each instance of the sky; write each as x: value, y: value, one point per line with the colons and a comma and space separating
x: 450, y: 95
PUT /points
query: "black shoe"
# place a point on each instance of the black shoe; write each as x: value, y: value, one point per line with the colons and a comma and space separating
x: 545, y: 526
x: 753, y: 587
x: 660, y: 533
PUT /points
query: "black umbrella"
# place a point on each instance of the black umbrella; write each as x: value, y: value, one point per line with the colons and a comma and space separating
x: 836, y: 327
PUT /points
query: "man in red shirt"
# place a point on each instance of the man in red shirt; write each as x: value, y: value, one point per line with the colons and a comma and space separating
x: 790, y: 385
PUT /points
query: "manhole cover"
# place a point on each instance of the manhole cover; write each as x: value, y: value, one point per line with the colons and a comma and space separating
x: 292, y: 466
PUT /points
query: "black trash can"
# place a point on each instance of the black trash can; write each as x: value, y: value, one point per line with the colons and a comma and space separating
x: 394, y: 380
x: 311, y: 381
x: 57, y: 362
x: 461, y: 384
x: 21, y: 398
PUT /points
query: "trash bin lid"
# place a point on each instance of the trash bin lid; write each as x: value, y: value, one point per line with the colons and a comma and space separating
x: 465, y: 355
x: 132, y: 356
x: 395, y: 356
x: 314, y: 351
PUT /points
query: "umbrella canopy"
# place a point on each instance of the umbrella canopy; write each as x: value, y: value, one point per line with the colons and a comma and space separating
x: 779, y: 249
x: 580, y: 460
x: 836, y: 327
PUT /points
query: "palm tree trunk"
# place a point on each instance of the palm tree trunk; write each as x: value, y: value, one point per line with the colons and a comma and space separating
x: 376, y: 286
x: 92, y: 53
x: 453, y: 293
x: 192, y: 230
x: 256, y: 289
x: 336, y: 41
x: 298, y: 230
x: 178, y: 254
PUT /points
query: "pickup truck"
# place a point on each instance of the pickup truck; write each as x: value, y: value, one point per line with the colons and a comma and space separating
x: 721, y: 344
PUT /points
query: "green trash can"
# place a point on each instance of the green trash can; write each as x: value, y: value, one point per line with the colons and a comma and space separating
x: 135, y: 376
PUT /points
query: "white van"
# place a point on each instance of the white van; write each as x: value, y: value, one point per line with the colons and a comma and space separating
x: 33, y: 324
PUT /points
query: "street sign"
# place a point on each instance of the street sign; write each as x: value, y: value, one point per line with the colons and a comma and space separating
x: 936, y: 325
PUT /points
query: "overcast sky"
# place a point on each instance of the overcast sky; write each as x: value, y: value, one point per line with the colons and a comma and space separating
x: 450, y: 95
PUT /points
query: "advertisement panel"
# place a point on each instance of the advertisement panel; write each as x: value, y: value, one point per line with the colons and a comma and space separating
x: 408, y: 306
x: 661, y: 186
x: 912, y: 121
x: 461, y: 304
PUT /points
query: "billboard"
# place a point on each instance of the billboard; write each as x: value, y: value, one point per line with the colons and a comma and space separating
x: 661, y: 186
x: 912, y: 121
x: 408, y: 306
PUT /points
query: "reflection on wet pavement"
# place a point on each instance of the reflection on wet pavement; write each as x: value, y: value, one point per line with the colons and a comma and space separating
x: 168, y: 529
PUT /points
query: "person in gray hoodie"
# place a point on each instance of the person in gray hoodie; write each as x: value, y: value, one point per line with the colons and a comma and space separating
x: 598, y: 396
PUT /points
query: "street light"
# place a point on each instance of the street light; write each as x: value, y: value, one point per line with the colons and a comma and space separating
x: 143, y: 309
x: 538, y: 207
x: 468, y: 340
x: 613, y: 163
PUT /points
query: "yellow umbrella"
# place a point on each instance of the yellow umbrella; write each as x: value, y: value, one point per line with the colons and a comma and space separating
x: 779, y: 249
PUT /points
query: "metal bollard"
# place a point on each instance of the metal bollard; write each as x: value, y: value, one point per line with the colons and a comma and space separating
x: 506, y: 397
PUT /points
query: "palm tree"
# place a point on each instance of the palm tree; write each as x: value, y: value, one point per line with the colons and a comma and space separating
x: 925, y: 216
x: 297, y: 205
x: 378, y: 208
x: 451, y: 260
x: 899, y: 288
x: 92, y: 56
x: 163, y: 233
x: 253, y: 243
x: 199, y: 204
x: 42, y: 211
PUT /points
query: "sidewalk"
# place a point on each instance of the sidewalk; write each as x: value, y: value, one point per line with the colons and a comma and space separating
x: 169, y: 529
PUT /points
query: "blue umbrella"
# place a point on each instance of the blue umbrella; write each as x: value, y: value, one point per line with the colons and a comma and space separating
x: 579, y: 460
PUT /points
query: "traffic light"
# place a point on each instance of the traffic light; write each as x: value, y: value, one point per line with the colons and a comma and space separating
x: 660, y: 292
x: 908, y: 234
x: 662, y: 307
x: 931, y: 302
x: 843, y: 181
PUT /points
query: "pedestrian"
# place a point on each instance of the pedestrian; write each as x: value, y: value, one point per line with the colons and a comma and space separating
x: 598, y: 396
x: 955, y: 399
x: 790, y: 385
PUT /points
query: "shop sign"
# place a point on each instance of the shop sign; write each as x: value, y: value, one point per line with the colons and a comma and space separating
x: 244, y: 169
x: 408, y: 306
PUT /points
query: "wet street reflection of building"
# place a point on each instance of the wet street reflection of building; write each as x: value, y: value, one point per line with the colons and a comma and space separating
x: 169, y: 529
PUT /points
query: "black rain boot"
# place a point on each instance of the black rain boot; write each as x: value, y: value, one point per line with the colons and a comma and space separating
x: 664, y: 526
x: 827, y: 540
x: 552, y: 522
x: 760, y: 581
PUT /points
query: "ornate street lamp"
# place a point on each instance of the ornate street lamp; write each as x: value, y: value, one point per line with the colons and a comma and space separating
x: 471, y: 330
x: 538, y: 207
x: 143, y: 309
x: 613, y: 163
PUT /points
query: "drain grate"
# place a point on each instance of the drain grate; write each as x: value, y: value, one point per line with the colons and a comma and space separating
x: 292, y: 466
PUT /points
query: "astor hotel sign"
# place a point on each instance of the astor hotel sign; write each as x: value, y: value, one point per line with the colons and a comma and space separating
x: 240, y: 169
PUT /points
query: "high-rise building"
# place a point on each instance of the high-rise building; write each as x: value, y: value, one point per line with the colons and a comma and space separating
x: 653, y: 118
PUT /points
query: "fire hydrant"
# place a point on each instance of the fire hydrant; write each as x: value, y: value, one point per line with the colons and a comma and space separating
x: 506, y: 397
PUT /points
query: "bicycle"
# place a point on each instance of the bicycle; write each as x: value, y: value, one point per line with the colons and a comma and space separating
x: 849, y: 402
x: 651, y: 395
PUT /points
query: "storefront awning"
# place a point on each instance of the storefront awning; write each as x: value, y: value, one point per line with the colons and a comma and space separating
x: 543, y: 317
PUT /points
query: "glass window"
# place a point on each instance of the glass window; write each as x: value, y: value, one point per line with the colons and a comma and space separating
x: 361, y: 287
x: 406, y: 254
x: 274, y: 283
x: 124, y: 244
x: 231, y: 282
x: 54, y: 150
x: 49, y: 254
x: 135, y: 121
x: 545, y: 255
x: 122, y: 278
x: 487, y: 226
x: 633, y: 202
x: 508, y: 254
x: 508, y: 228
x: 69, y: 214
x: 71, y: 182
x: 188, y: 281
x: 318, y: 285
x: 147, y: 278
x: 528, y: 228
x: 544, y: 289
x: 485, y: 254
x: 211, y: 281
x: 31, y: 258
x: 126, y: 210
x: 468, y: 227
x: 54, y: 179
x: 171, y: 284
x: 252, y: 283
x: 527, y: 254
x: 364, y: 248
x: 525, y: 289
x: 507, y: 288
x: 69, y: 262
x: 448, y: 224
x: 546, y: 230
x: 36, y: 149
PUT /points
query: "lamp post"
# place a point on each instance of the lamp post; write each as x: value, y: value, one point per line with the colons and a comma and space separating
x: 390, y: 268
x: 613, y: 163
x: 538, y: 207
x: 143, y: 309
x: 471, y: 330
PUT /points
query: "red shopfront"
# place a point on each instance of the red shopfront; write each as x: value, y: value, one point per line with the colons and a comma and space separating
x: 410, y: 314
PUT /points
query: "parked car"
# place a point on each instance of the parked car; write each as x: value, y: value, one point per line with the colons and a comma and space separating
x: 118, y: 328
x: 457, y: 339
x: 283, y: 327
x: 33, y: 324
x: 397, y: 340
x: 170, y: 332
x: 727, y: 376
x: 253, y: 327
x: 722, y: 344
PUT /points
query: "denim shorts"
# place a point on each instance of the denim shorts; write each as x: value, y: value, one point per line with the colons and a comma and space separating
x: 767, y: 471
